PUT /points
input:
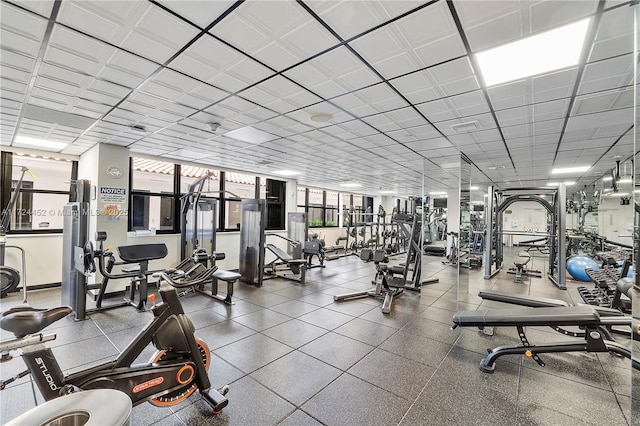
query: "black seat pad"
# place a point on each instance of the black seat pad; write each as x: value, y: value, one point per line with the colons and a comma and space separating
x: 23, y: 322
x: 141, y: 252
x: 559, y: 316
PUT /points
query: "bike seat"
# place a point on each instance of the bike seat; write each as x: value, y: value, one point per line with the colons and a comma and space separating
x: 28, y: 321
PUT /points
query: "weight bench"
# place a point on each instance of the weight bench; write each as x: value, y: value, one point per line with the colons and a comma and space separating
x: 596, y: 336
x: 192, y: 272
x: 521, y: 262
x: 298, y: 267
x: 139, y: 254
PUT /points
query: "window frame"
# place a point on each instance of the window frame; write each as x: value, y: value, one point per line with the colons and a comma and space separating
x: 323, y: 208
x: 6, y: 180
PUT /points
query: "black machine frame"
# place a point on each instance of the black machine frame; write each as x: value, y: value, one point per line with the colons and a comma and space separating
x: 391, y: 281
x: 497, y: 202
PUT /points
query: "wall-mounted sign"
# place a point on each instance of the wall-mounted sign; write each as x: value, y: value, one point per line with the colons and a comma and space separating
x: 114, y: 172
x: 112, y: 195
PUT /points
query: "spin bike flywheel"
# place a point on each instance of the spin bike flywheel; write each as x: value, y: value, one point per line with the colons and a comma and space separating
x: 185, y: 391
x: 9, y: 280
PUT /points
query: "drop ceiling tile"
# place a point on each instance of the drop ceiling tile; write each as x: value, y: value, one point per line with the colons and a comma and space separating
x: 21, y: 31
x: 350, y: 18
x: 548, y: 126
x: 281, y: 106
x: 614, y: 36
x: 501, y: 28
x: 199, y: 12
x: 550, y: 110
x: 437, y: 111
x: 545, y: 16
x: 241, y: 32
x: 593, y: 121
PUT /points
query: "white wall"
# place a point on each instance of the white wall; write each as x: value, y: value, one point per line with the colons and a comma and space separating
x: 528, y: 217
x: 615, y: 222
x: 43, y: 257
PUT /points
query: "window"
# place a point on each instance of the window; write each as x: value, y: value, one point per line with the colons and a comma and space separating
x: 331, y: 208
x: 276, y: 204
x: 235, y: 187
x: 42, y: 197
x: 321, y: 206
x: 153, y: 197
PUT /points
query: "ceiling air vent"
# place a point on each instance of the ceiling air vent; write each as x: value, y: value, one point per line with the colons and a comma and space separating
x: 466, y: 127
x: 138, y: 128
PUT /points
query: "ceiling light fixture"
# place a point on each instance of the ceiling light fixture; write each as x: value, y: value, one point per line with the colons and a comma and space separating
x: 562, y: 170
x: 607, y: 178
x: 351, y: 185
x: 320, y: 117
x: 387, y: 192
x: 250, y: 135
x: 213, y: 126
x: 557, y: 183
x: 286, y: 172
x: 39, y: 143
x: 438, y: 193
x: 538, y: 54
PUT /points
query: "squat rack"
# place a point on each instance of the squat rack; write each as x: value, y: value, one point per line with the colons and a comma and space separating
x: 497, y: 202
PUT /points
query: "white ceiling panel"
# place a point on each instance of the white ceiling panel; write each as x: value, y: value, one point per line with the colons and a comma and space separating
x: 614, y: 36
x: 405, y: 70
x: 200, y: 13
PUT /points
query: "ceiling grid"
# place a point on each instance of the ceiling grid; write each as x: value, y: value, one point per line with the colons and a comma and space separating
x: 398, y: 81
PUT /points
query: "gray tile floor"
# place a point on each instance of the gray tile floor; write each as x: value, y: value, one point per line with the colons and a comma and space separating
x: 293, y: 356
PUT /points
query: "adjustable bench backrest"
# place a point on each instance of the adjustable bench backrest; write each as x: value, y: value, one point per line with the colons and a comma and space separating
x: 281, y: 254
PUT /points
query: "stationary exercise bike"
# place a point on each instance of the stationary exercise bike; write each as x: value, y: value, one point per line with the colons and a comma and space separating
x: 175, y: 371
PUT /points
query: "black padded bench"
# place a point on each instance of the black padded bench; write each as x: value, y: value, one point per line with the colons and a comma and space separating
x: 596, y: 336
x: 139, y: 256
x: 521, y: 300
x: 297, y: 266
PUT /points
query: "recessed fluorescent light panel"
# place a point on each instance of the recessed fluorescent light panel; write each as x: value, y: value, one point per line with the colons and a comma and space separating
x: 538, y: 54
x: 351, y: 185
x: 286, y: 172
x: 39, y: 143
x: 557, y: 183
x: 387, y: 192
x: 250, y: 135
x: 438, y: 193
x: 569, y: 170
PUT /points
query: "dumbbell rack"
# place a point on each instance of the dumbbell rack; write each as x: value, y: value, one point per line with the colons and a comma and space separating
x: 605, y: 280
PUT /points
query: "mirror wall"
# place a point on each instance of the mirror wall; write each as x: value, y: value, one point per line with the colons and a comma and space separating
x: 635, y: 205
